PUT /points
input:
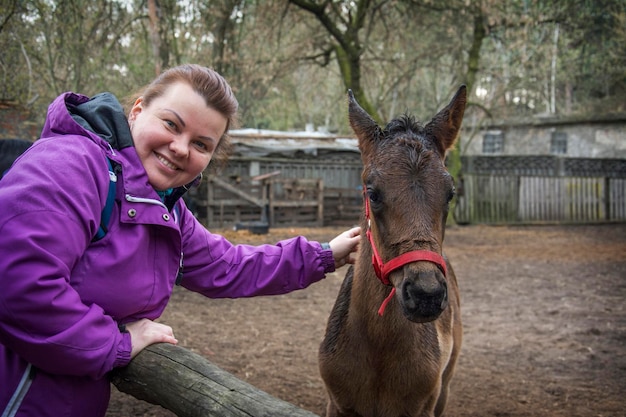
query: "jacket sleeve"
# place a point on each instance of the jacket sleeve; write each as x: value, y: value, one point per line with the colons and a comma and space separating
x: 216, y: 268
x: 51, y: 205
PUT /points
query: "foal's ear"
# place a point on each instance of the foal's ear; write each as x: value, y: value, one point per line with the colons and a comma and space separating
x: 365, y: 128
x: 444, y: 127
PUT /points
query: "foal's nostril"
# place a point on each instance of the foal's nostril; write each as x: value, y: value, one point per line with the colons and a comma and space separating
x: 407, y: 295
x: 444, y: 301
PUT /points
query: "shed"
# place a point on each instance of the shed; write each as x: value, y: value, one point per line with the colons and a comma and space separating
x: 284, y: 178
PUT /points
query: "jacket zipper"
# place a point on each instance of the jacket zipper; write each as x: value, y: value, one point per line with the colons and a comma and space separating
x: 179, y: 275
x: 20, y: 392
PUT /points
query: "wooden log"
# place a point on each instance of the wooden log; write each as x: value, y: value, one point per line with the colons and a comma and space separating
x: 190, y: 386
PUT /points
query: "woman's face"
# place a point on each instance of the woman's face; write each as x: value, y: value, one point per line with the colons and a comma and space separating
x: 175, y: 136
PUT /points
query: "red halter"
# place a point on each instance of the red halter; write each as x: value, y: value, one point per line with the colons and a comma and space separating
x: 384, y: 269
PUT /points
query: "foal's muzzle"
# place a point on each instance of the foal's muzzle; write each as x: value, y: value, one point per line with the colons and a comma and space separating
x: 424, y: 296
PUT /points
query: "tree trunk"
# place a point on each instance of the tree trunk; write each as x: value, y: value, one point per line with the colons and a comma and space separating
x: 189, y: 386
x: 154, y: 35
x: 347, y: 45
x: 473, y: 60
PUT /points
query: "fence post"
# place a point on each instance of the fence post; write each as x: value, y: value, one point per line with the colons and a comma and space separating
x: 320, y: 202
x: 606, y: 196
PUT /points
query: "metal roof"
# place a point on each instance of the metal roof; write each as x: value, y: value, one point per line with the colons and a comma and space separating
x: 255, y: 142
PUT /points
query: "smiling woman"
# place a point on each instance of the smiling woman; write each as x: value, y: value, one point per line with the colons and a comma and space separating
x: 184, y: 113
x: 108, y: 292
x: 175, y: 135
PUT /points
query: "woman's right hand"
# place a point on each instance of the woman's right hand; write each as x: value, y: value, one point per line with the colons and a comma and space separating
x: 345, y: 246
x: 146, y: 332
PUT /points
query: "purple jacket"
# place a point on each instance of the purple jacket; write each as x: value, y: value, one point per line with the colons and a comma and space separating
x: 62, y: 296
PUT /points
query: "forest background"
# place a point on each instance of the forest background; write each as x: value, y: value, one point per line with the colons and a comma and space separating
x: 291, y: 62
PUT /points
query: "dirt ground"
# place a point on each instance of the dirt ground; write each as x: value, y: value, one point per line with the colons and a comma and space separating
x: 544, y: 325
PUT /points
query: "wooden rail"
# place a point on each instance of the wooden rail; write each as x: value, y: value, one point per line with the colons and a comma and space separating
x: 190, y: 386
x: 237, y: 191
x: 283, y: 201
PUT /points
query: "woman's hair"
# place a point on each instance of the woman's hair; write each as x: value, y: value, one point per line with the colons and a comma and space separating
x: 211, y: 86
x: 10, y: 149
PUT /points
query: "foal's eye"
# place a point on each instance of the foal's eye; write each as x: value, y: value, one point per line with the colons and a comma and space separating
x: 451, y: 194
x: 374, y: 197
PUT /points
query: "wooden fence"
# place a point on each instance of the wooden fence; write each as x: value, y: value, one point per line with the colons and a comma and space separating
x: 553, y: 190
x: 274, y: 201
x: 282, y: 192
x: 491, y: 190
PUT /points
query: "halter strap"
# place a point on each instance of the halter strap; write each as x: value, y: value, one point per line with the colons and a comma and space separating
x: 383, y: 269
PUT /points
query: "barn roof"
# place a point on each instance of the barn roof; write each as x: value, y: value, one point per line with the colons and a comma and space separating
x: 260, y: 143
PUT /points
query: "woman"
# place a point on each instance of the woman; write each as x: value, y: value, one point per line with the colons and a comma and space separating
x: 72, y: 309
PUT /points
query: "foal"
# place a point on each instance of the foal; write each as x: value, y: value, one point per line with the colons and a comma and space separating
x: 397, y: 360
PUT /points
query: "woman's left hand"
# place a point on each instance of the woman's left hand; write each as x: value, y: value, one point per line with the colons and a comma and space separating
x: 345, y: 246
x: 146, y: 332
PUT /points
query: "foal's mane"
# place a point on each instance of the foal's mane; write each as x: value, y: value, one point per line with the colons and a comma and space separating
x: 412, y: 133
x: 404, y: 124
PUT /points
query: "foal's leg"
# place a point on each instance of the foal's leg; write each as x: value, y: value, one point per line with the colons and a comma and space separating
x: 442, y: 401
x: 445, y: 386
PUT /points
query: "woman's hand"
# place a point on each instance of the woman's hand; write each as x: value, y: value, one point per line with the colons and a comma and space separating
x: 345, y: 246
x: 145, y: 332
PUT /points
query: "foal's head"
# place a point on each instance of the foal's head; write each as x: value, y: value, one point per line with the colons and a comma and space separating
x: 407, y: 192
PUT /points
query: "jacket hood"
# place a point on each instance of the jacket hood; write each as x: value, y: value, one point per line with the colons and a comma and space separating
x: 104, y: 116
